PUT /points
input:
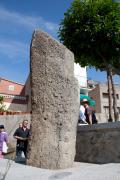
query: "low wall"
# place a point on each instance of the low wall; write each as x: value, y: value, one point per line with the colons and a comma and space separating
x: 11, y: 123
x: 98, y: 143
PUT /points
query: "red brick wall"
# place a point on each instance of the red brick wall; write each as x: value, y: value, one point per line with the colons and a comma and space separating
x: 4, y: 87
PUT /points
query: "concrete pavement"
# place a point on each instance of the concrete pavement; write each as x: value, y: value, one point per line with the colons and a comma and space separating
x: 80, y: 171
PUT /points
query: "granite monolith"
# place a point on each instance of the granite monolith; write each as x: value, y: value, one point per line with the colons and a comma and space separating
x: 54, y: 103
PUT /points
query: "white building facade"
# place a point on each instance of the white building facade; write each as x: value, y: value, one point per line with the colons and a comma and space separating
x: 81, y: 75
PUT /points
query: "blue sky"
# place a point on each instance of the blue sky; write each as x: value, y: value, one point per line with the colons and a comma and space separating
x: 18, y: 19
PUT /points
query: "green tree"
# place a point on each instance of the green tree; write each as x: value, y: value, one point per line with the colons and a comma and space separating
x: 91, y: 29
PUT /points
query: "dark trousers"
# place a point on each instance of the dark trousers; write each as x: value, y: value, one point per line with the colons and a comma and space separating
x: 19, y: 151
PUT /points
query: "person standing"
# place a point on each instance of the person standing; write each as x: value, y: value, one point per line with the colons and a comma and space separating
x: 88, y: 111
x: 82, y: 117
x: 3, y: 138
x: 22, y: 136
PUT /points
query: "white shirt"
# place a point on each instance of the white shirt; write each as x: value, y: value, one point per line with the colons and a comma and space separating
x: 82, y: 113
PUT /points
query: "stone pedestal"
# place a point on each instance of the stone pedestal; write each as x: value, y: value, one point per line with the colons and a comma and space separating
x: 55, y: 104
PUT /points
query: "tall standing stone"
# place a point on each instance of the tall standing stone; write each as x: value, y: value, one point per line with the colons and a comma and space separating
x: 55, y: 104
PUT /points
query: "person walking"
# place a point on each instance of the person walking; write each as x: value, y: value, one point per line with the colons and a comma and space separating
x: 22, y: 136
x: 3, y: 139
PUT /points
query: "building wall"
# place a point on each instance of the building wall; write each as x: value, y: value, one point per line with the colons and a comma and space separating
x: 10, y: 87
x: 81, y: 75
x: 95, y: 94
x: 104, y: 97
x: 100, y: 95
x: 13, y: 94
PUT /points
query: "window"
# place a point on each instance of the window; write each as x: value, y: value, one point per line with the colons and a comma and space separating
x: 117, y: 96
x: 11, y: 87
x: 105, y: 95
x: 118, y: 109
x: 106, y: 109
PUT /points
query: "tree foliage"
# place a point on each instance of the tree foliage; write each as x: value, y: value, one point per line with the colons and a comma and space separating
x: 2, y: 106
x: 91, y: 30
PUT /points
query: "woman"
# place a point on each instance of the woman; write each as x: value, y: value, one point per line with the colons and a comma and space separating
x: 3, y: 137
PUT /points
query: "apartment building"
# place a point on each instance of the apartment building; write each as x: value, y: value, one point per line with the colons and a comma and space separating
x: 100, y: 95
x: 13, y: 94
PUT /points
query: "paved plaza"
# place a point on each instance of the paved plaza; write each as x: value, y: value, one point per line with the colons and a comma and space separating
x: 80, y: 171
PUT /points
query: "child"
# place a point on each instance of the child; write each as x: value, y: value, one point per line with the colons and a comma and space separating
x: 3, y: 137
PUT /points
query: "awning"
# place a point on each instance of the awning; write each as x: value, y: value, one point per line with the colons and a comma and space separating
x: 90, y: 100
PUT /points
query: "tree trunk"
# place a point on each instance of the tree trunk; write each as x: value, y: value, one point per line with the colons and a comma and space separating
x: 109, y: 97
x: 116, y: 115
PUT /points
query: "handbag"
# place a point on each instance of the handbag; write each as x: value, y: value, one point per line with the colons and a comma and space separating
x: 5, y: 147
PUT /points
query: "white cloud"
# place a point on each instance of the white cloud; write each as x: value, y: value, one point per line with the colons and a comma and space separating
x: 31, y: 22
x: 14, y: 50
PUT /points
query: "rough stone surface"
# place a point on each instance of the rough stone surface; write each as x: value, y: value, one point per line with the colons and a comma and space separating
x: 98, y: 143
x: 55, y: 104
